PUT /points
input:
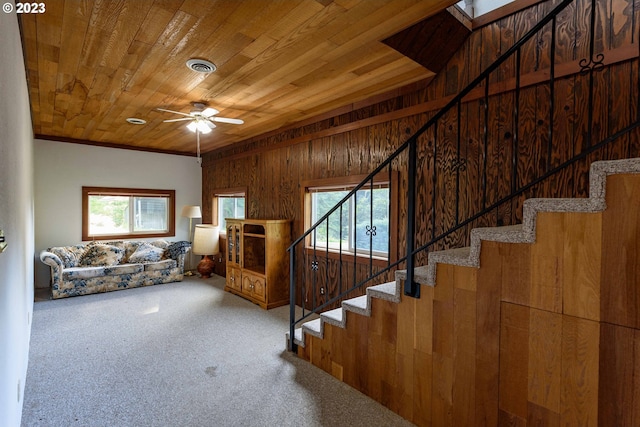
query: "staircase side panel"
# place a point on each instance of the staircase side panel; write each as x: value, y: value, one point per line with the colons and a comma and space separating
x: 621, y: 252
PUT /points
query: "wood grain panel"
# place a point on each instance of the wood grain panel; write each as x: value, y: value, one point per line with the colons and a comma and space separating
x: 514, y: 354
x: 580, y: 358
x: 620, y: 253
x: 488, y: 333
x: 545, y: 363
x: 464, y: 354
x: 615, y: 388
x: 547, y: 267
x: 582, y: 265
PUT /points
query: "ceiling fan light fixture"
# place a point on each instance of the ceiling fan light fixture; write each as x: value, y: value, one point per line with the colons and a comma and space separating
x: 200, y: 125
x: 201, y: 65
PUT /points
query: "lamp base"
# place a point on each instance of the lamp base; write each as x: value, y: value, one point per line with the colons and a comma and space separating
x: 205, y: 267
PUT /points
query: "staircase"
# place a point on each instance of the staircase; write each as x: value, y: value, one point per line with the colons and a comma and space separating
x: 533, y: 324
x: 536, y: 320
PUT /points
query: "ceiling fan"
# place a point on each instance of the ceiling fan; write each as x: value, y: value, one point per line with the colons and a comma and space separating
x: 201, y: 120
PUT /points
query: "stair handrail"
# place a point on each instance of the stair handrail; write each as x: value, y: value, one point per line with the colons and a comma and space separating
x: 411, y: 288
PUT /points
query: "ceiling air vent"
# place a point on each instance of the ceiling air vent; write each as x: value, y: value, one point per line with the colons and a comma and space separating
x: 201, y: 65
x: 136, y: 121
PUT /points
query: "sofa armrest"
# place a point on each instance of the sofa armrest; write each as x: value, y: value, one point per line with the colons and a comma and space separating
x: 55, y: 263
x: 177, y: 251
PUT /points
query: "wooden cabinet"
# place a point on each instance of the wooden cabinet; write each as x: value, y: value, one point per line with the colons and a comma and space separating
x: 258, y: 261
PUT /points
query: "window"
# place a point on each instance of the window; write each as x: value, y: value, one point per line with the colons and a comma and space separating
x: 365, y: 224
x: 228, y: 204
x: 114, y: 213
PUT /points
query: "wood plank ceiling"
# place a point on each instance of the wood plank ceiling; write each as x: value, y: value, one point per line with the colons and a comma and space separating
x: 93, y: 64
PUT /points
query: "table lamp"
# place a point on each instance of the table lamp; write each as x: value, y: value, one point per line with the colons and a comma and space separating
x: 206, y: 242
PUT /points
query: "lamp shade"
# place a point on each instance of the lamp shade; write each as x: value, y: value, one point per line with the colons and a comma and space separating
x: 191, y: 212
x: 206, y: 240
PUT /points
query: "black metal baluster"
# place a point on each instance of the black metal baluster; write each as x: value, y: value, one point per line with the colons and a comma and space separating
x: 552, y: 91
x: 389, y: 219
x: 326, y: 265
x: 355, y: 237
x: 292, y: 298
x: 314, y: 268
x: 486, y: 143
x: 372, y: 229
x: 516, y: 114
x: 434, y: 180
x: 340, y: 252
x: 590, y: 66
x: 410, y: 287
x: 458, y: 166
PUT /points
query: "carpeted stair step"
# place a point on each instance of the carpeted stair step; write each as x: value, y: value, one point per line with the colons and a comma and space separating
x: 358, y: 305
x: 361, y: 305
x: 313, y: 327
x: 334, y: 317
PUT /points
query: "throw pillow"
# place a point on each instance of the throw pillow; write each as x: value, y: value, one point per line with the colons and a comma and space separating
x: 146, y: 253
x: 100, y: 255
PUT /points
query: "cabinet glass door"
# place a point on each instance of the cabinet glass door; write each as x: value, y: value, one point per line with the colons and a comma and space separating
x: 237, y: 243
x: 230, y: 242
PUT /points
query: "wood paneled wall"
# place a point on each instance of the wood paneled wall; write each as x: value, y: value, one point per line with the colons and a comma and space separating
x: 355, y: 140
x: 542, y: 334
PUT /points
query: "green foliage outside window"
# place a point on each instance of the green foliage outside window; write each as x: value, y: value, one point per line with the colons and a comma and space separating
x: 230, y: 207
x: 365, y: 220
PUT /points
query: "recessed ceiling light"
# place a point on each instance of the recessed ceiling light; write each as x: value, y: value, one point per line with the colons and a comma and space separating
x: 135, y: 121
x: 201, y: 65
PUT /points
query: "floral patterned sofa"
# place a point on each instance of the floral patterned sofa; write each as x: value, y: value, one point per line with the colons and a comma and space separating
x: 109, y: 266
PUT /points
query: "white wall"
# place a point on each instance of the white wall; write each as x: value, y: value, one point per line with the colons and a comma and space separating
x: 480, y: 7
x: 62, y: 169
x: 16, y: 219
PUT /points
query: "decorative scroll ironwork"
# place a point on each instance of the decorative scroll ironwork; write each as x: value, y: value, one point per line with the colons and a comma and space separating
x: 371, y: 230
x: 314, y: 265
x: 592, y: 64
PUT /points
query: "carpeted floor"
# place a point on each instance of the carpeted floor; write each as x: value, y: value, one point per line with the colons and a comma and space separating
x: 180, y: 354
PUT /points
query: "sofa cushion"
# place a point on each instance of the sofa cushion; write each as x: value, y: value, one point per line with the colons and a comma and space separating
x: 162, y: 244
x: 174, y: 250
x: 146, y: 253
x: 101, y: 255
x: 161, y: 265
x: 129, y: 247
x: 69, y: 255
x: 123, y: 269
x: 74, y: 273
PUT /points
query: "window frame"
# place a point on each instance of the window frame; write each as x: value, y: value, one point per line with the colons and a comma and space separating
x: 349, y: 182
x: 225, y: 192
x: 170, y: 195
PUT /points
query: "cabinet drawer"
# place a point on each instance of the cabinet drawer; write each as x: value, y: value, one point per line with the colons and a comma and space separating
x: 254, y: 286
x: 234, y: 279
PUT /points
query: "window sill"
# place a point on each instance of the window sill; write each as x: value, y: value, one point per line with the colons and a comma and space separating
x: 378, y: 261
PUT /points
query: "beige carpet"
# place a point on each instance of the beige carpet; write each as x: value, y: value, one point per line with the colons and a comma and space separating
x: 180, y: 354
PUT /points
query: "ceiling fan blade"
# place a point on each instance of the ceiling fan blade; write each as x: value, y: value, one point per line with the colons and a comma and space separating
x: 174, y: 112
x: 177, y: 120
x: 227, y: 120
x: 208, y: 112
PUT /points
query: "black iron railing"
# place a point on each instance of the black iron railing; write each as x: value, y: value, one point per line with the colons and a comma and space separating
x: 317, y: 262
